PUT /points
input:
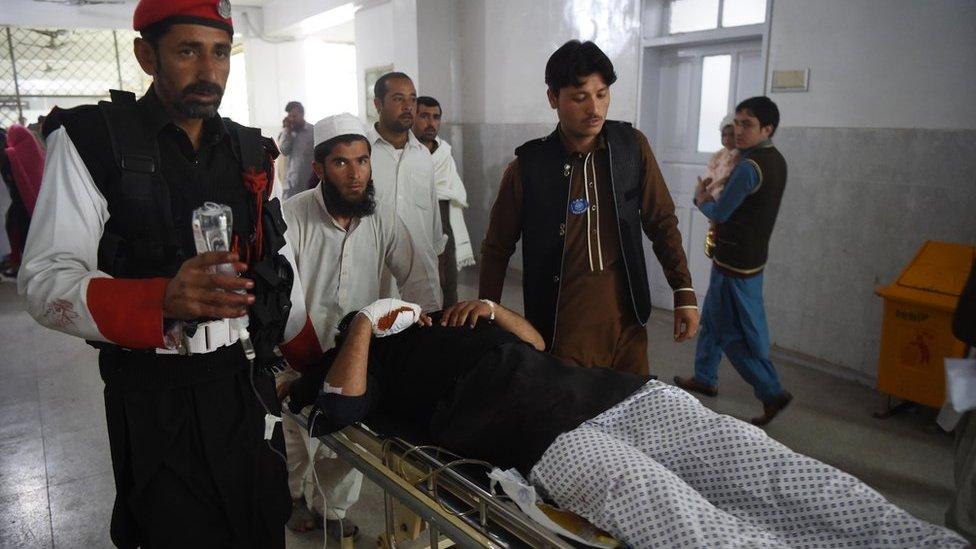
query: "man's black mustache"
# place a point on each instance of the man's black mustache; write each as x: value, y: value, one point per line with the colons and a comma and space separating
x: 203, y: 88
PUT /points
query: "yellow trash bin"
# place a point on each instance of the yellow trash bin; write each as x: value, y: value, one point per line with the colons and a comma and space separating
x: 916, y: 331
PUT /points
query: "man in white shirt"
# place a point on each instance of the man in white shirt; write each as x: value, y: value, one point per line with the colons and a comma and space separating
x: 403, y: 171
x: 451, y: 196
x: 343, y: 243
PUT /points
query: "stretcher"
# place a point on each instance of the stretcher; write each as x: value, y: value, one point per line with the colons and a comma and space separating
x: 434, y: 498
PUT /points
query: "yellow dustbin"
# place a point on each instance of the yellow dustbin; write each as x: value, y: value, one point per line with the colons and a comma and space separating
x: 916, y: 332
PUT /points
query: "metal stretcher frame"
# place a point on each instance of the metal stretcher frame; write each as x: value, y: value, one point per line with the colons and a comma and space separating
x: 372, y: 455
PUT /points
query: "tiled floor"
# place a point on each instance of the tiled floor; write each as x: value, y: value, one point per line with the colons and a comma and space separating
x: 56, y: 484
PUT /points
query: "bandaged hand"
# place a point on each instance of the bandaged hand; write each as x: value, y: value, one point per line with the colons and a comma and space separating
x: 391, y: 316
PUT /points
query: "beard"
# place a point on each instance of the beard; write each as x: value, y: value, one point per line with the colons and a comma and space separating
x: 341, y: 206
x: 194, y: 109
x: 401, y: 124
x: 429, y: 134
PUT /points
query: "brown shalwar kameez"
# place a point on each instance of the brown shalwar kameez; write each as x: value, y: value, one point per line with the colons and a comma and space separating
x: 595, y: 320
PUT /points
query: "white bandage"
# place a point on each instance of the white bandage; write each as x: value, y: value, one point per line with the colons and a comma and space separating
x: 327, y: 389
x: 491, y: 305
x: 378, y: 309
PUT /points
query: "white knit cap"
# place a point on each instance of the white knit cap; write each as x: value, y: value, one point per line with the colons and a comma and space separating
x: 336, y: 125
x: 729, y: 120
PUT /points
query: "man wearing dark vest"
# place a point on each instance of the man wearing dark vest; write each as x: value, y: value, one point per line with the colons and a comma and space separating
x: 734, y: 318
x: 961, y: 515
x: 192, y: 417
x: 580, y: 199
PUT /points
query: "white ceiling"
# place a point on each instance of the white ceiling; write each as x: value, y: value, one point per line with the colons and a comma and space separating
x: 343, y: 34
x: 15, y: 11
x: 31, y: 13
x: 243, y: 3
x: 251, y: 3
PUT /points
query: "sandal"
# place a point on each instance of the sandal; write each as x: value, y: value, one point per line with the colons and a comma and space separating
x: 339, y: 529
x: 301, y: 519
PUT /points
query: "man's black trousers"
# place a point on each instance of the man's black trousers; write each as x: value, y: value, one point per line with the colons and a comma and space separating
x: 192, y: 468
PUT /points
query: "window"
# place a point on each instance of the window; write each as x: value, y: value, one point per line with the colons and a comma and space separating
x: 63, y: 67
x: 693, y: 15
x: 234, y: 104
x: 743, y: 12
x: 716, y: 72
x: 699, y: 15
x: 330, y: 79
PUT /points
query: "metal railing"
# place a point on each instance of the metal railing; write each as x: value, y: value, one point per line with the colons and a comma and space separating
x: 419, y: 478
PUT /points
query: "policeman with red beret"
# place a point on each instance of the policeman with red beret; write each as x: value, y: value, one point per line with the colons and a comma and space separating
x: 111, y: 258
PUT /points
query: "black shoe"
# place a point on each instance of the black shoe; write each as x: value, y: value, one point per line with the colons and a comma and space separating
x: 301, y: 519
x: 693, y: 385
x: 772, y: 408
x: 9, y: 269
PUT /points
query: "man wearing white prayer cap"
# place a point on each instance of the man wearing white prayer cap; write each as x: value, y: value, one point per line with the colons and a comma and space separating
x: 342, y: 242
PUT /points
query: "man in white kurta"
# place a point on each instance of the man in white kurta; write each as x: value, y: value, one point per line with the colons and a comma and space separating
x: 452, y: 197
x: 342, y: 256
x: 403, y: 172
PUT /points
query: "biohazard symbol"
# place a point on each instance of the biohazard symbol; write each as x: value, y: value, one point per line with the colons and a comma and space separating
x: 916, y: 351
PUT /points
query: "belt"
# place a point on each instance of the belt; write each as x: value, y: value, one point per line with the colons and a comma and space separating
x: 209, y: 337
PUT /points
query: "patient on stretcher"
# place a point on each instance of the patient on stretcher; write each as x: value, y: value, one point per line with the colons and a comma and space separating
x: 641, y: 459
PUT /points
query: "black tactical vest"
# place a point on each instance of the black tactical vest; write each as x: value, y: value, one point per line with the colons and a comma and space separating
x: 545, y: 206
x: 148, y: 232
x: 742, y: 242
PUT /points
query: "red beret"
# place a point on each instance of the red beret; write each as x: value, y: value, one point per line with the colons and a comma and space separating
x: 213, y: 13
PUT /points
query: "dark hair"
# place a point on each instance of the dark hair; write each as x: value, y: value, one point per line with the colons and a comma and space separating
x: 763, y: 109
x: 324, y: 148
x: 153, y: 33
x: 294, y: 105
x: 574, y: 61
x: 429, y: 101
x: 380, y: 87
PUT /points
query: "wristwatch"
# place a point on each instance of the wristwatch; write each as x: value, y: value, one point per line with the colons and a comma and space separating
x: 491, y: 305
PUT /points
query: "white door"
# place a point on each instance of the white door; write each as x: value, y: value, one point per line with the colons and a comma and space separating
x: 696, y: 87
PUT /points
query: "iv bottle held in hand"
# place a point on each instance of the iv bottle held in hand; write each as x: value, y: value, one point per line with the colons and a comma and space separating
x: 211, y: 233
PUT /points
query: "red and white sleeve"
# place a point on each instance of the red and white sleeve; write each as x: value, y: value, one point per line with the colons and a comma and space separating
x: 59, y: 274
x: 300, y: 344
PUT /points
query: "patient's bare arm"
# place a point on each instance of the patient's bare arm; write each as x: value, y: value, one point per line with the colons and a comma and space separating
x: 468, y: 313
x: 349, y: 369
